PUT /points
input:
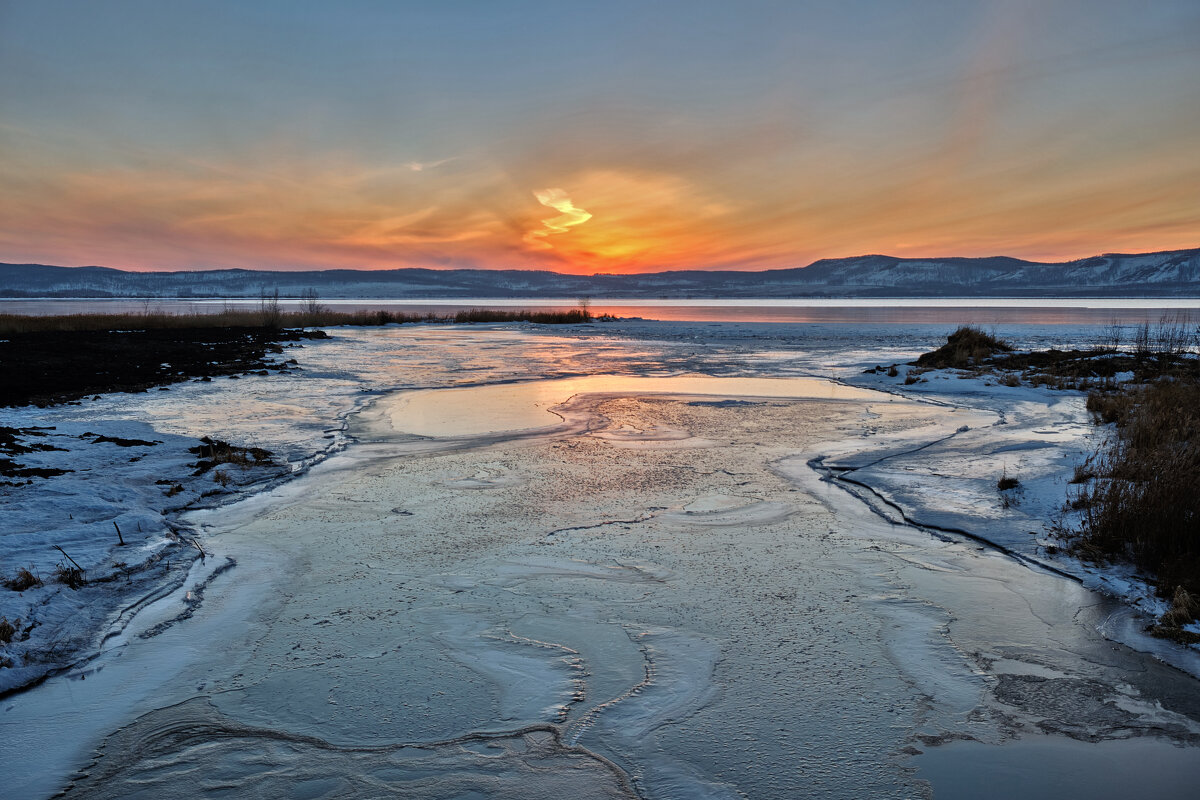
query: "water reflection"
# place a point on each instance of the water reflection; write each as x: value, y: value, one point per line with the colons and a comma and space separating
x: 837, y: 311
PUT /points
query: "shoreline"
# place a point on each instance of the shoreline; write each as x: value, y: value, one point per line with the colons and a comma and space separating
x: 372, y: 456
x: 1114, y: 580
x: 287, y: 498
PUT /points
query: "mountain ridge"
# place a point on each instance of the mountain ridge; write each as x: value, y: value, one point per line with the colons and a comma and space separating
x: 1167, y: 273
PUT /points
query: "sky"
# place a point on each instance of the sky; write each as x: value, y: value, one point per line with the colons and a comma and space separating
x: 617, y: 136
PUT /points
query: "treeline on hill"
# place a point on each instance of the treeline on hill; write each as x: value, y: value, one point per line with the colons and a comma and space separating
x: 1136, y: 499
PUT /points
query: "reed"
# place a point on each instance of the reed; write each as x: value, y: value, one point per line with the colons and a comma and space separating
x: 1144, y: 503
x: 314, y: 316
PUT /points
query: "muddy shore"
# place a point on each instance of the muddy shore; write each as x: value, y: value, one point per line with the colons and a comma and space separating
x: 49, y: 367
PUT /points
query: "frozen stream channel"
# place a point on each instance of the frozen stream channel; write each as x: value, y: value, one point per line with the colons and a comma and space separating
x: 609, y: 587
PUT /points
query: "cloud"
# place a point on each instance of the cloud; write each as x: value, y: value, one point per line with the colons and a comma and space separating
x: 421, y: 166
x: 568, y: 217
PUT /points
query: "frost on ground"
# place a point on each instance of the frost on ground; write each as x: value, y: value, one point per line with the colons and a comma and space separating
x: 135, y: 469
x: 90, y: 529
x: 76, y: 469
x: 1006, y: 483
x: 659, y: 590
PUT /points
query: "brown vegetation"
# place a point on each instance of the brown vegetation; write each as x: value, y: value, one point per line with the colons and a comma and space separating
x: 573, y: 316
x: 261, y: 319
x: 24, y: 579
x: 51, y: 366
x: 58, y: 359
x: 269, y: 317
x: 1143, y: 506
x: 213, y: 452
x: 966, y: 347
x: 1152, y: 352
x: 7, y: 630
x: 1137, y: 498
x: 72, y: 576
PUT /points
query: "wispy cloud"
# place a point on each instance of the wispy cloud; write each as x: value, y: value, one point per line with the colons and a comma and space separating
x: 421, y: 166
x: 568, y: 217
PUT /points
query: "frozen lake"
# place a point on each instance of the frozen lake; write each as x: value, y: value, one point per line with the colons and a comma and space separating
x: 602, y: 562
x: 861, y: 310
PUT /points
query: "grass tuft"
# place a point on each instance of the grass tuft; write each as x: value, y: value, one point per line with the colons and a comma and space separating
x: 24, y: 579
x: 7, y: 630
x: 968, y: 346
x: 1142, y: 503
x: 71, y: 576
x: 214, y: 452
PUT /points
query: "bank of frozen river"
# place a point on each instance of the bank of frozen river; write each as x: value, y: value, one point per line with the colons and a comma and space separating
x: 658, y: 597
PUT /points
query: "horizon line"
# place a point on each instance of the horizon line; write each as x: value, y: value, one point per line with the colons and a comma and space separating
x: 602, y: 274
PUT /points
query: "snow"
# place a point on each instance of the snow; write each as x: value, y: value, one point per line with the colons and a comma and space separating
x: 1033, y: 434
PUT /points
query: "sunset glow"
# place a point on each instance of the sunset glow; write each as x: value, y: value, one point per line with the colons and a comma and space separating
x: 628, y: 138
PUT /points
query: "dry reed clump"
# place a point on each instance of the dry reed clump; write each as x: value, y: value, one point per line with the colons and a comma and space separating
x: 1084, y: 472
x: 71, y: 576
x: 1010, y: 490
x: 7, y: 630
x: 256, y: 318
x: 24, y: 579
x: 1109, y: 407
x: 1144, y: 503
x: 574, y: 315
x: 213, y: 452
x: 1185, y: 607
x: 271, y: 316
x: 966, y: 347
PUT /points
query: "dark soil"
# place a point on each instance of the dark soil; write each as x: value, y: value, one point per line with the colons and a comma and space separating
x: 49, y: 367
x: 1098, y: 364
x: 19, y: 441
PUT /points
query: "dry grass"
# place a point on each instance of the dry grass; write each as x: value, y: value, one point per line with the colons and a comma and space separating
x: 1083, y: 472
x: 69, y: 575
x: 7, y: 630
x: 573, y: 316
x: 214, y: 452
x: 314, y: 315
x: 1144, y: 504
x: 1185, y: 607
x: 1108, y: 407
x: 966, y: 347
x: 20, y: 323
x: 24, y: 579
x: 1010, y: 490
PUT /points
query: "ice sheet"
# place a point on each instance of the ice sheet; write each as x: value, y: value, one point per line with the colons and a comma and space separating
x: 582, y: 607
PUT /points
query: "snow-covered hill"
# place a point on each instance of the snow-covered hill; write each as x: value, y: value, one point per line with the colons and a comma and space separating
x: 1166, y: 274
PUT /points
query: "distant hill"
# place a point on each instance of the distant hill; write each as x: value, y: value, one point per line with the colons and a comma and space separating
x: 1166, y: 274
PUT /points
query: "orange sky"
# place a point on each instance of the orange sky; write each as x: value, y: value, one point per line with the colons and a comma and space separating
x: 993, y: 129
